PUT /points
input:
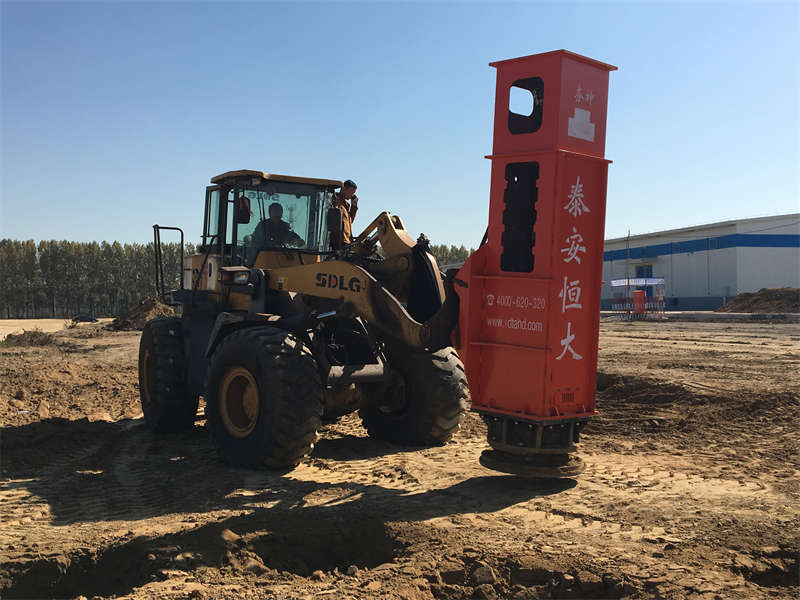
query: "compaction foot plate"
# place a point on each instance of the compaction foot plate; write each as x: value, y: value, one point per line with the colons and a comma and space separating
x: 547, y: 466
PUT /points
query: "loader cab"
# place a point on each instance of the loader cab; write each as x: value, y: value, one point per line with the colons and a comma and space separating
x: 250, y: 212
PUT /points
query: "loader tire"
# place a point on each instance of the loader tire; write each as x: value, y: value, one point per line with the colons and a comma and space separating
x: 167, y: 405
x: 435, y: 399
x: 263, y: 398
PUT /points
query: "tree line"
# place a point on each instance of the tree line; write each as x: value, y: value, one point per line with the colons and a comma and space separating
x: 58, y: 278
x: 447, y: 255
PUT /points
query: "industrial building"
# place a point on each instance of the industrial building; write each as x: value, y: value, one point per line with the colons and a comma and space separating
x: 704, y: 266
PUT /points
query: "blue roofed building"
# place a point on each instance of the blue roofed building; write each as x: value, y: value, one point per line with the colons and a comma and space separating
x: 706, y: 265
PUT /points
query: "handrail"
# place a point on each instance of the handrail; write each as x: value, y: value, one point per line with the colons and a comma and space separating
x: 159, y: 259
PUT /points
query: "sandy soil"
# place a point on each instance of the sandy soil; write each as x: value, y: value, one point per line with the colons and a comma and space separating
x: 765, y: 300
x: 47, y: 325
x: 691, y: 489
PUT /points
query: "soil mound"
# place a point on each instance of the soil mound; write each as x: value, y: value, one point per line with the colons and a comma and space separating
x: 31, y: 337
x: 765, y: 300
x: 136, y: 318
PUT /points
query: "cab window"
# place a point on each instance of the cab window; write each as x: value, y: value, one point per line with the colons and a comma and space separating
x: 212, y: 215
x: 286, y: 216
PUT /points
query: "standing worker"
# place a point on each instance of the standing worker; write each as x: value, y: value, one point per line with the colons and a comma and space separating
x: 347, y: 201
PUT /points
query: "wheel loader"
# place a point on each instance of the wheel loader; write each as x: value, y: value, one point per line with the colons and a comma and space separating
x: 284, y: 325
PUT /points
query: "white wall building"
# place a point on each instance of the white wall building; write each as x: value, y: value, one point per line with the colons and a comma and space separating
x: 706, y: 265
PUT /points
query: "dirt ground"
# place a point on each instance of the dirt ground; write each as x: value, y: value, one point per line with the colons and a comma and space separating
x: 138, y: 316
x: 47, y: 325
x: 692, y: 488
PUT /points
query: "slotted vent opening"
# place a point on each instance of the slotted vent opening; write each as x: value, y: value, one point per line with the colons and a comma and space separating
x: 519, y: 217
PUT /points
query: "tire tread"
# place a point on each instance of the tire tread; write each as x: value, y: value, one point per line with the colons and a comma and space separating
x: 295, y: 394
x: 172, y: 407
x: 439, y: 401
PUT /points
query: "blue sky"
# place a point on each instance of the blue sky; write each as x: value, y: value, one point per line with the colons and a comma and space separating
x: 115, y: 115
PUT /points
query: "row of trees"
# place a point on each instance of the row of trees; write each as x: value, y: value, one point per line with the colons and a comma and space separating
x: 448, y: 255
x: 60, y: 278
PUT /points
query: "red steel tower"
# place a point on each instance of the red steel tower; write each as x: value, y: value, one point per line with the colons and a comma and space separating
x: 530, y: 295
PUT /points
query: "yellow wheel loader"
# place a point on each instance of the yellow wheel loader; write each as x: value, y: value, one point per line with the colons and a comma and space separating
x: 282, y: 325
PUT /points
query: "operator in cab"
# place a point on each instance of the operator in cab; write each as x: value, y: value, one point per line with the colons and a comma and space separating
x: 273, y: 232
x: 347, y: 201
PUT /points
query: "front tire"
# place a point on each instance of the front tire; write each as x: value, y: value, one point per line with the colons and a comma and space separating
x: 166, y: 402
x: 434, y: 399
x: 263, y: 398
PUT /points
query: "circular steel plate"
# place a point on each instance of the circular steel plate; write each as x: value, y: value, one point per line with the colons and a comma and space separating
x: 546, y: 466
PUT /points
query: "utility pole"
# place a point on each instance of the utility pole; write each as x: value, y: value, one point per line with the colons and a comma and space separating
x: 627, y: 268
x: 708, y: 266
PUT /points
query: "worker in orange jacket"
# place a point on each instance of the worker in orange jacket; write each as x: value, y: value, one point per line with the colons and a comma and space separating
x: 347, y: 201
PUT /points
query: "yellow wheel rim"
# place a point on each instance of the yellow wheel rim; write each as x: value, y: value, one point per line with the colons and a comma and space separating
x: 145, y: 383
x: 238, y: 402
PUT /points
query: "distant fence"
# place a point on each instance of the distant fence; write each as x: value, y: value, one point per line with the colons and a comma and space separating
x: 636, y: 309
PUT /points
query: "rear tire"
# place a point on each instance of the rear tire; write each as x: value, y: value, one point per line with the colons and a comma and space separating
x: 263, y: 398
x: 435, y: 399
x: 166, y: 402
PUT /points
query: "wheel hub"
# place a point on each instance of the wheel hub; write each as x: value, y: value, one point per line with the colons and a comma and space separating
x: 238, y: 402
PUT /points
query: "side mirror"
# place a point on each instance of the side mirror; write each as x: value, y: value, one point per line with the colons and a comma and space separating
x: 243, y: 210
x: 335, y: 226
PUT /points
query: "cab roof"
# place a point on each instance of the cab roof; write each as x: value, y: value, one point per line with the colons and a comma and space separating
x: 276, y: 177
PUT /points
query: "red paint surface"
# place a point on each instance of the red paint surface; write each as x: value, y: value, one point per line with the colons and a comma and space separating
x: 512, y: 324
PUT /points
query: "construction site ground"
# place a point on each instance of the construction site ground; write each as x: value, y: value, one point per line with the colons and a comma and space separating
x: 691, y: 488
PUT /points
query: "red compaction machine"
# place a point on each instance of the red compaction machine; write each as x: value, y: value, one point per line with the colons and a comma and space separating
x: 530, y: 295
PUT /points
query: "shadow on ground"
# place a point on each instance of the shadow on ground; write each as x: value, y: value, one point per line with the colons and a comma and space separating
x: 351, y: 447
x: 91, y: 471
x: 366, y: 524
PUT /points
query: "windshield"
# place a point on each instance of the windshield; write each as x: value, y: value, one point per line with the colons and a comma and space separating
x: 284, y: 216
